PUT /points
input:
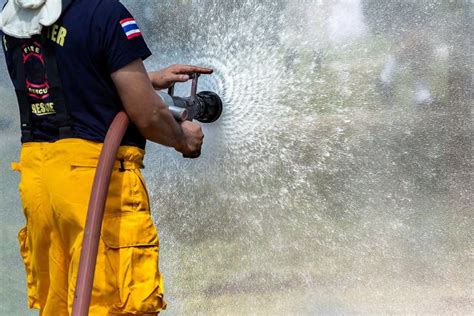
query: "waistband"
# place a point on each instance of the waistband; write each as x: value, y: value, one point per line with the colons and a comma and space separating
x: 82, y: 153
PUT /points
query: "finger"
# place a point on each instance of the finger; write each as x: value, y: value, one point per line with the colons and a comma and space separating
x: 179, y: 78
x: 189, y: 69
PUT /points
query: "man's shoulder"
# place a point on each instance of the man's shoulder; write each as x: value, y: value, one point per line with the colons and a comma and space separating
x: 108, y: 5
x: 97, y: 12
x: 94, y: 5
x: 101, y: 10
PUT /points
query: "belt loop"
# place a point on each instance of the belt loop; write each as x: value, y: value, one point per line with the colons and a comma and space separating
x: 122, y: 165
x: 65, y: 132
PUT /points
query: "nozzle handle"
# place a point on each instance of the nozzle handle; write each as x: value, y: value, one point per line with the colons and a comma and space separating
x: 194, y: 85
x: 171, y: 90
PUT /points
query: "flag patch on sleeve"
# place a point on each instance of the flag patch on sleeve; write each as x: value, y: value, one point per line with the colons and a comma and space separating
x: 130, y: 27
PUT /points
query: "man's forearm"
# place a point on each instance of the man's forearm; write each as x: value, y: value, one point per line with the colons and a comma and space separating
x: 150, y: 115
x: 161, y: 127
x: 145, y: 108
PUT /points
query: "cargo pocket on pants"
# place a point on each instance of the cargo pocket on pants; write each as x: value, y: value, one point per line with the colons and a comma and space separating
x: 132, y: 250
x: 33, y: 298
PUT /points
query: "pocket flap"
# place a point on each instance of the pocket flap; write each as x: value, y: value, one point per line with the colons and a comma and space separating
x: 85, y: 162
x: 132, y: 230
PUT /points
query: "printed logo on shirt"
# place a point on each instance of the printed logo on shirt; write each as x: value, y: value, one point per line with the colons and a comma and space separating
x: 57, y: 34
x: 37, y: 83
x: 130, y: 27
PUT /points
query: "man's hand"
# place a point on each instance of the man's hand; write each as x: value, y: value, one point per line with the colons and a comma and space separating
x: 165, y: 78
x: 192, y: 144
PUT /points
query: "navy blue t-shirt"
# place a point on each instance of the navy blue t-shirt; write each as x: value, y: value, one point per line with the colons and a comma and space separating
x: 92, y: 39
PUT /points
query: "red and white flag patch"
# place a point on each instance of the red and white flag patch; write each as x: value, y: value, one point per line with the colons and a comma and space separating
x: 130, y: 27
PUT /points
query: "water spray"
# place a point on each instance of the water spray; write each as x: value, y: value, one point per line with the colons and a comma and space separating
x: 205, y: 107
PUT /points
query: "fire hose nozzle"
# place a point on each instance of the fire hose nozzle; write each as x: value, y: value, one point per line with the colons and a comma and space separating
x: 205, y: 106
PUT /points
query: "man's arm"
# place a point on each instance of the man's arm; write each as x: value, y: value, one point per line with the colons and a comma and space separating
x: 152, y: 118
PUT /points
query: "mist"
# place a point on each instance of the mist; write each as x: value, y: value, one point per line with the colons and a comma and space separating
x: 338, y: 180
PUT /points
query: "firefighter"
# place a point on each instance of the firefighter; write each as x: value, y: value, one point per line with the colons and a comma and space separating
x: 74, y: 65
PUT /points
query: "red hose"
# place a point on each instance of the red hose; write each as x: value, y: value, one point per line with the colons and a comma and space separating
x: 95, y: 215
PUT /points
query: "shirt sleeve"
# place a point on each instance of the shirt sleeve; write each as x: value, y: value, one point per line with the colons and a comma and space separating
x: 119, y: 35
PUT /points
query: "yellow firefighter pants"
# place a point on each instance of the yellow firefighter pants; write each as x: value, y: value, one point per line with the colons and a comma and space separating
x: 55, y: 186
